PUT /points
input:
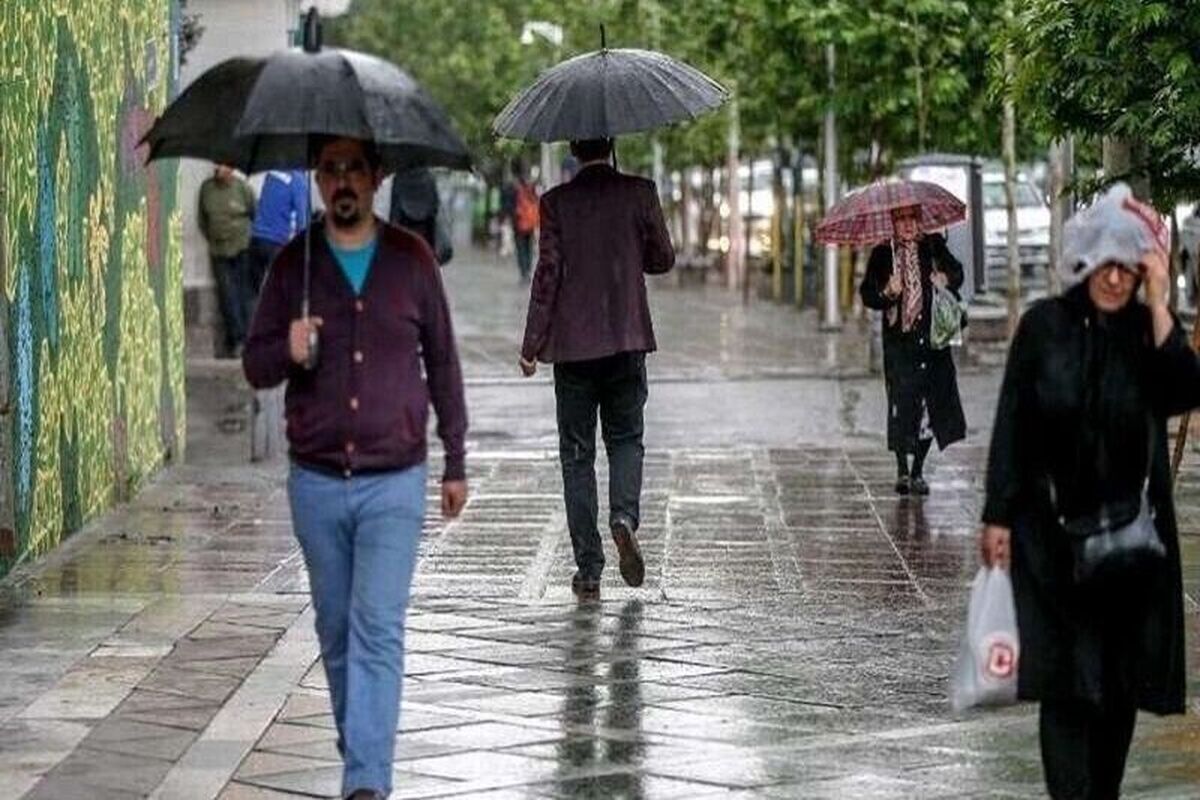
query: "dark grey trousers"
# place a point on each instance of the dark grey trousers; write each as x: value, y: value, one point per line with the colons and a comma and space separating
x: 1084, y: 748
x: 616, y: 387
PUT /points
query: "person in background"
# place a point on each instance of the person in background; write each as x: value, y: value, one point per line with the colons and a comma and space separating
x: 921, y: 382
x: 225, y: 211
x: 283, y: 209
x: 520, y: 206
x: 415, y: 205
x: 601, y: 234
x: 1080, y: 437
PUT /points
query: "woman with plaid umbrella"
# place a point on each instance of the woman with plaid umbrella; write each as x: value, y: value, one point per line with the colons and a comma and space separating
x: 922, y: 384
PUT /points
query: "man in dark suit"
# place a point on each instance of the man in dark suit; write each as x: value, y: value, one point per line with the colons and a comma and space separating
x: 588, y: 315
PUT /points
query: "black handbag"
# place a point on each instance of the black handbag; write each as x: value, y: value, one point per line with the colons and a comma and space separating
x: 1118, y: 540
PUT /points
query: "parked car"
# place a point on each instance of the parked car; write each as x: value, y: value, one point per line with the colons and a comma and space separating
x: 1033, y: 229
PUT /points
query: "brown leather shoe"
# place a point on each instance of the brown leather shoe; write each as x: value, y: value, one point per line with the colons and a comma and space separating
x: 585, y: 588
x: 633, y: 567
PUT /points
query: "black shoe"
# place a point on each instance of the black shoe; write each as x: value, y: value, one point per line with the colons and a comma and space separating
x: 903, y: 485
x: 585, y: 588
x: 633, y: 566
x: 919, y: 486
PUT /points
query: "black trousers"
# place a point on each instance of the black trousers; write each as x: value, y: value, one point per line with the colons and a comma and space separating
x: 616, y: 387
x: 1084, y: 748
x: 261, y: 254
x: 230, y: 275
x: 524, y: 247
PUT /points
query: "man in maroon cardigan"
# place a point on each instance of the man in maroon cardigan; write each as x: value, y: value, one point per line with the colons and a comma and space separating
x: 356, y: 426
x: 601, y: 233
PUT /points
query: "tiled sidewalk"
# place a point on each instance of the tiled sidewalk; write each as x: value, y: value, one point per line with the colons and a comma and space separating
x: 793, y: 639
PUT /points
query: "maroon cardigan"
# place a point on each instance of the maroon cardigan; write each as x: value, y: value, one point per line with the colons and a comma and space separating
x: 601, y: 233
x: 365, y: 406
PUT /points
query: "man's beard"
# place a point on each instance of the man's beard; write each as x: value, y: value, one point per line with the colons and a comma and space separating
x: 345, y: 214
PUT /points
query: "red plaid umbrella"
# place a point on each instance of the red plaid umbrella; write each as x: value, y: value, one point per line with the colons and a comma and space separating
x: 865, y: 217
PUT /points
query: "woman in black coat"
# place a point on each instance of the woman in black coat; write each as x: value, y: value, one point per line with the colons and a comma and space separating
x: 1092, y: 377
x: 921, y: 382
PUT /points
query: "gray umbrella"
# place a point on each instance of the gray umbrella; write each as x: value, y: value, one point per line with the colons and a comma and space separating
x: 259, y: 114
x: 607, y: 93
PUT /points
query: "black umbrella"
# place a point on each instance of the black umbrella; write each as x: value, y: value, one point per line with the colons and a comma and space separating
x: 607, y: 93
x: 260, y: 113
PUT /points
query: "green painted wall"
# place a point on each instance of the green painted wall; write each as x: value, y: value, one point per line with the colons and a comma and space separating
x: 91, y: 297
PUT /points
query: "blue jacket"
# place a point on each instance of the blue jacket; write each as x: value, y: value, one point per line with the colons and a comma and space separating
x: 282, y: 206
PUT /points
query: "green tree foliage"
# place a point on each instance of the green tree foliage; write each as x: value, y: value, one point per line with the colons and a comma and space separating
x: 912, y: 74
x: 1128, y: 69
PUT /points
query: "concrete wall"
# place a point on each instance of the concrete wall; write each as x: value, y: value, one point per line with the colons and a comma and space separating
x: 91, y: 318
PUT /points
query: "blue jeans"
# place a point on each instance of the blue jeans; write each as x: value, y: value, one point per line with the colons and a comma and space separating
x: 360, y: 540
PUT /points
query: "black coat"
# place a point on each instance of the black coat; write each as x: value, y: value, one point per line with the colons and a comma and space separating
x: 1084, y: 407
x: 914, y: 372
x: 416, y: 206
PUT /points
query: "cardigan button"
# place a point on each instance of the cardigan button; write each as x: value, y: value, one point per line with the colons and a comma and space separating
x: 358, y: 356
x: 349, y: 447
x: 346, y: 473
x: 354, y: 404
x: 359, y: 306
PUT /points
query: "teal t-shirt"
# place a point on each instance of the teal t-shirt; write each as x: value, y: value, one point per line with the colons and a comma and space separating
x: 355, y: 263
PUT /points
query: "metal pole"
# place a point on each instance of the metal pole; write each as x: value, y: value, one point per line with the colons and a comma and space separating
x: 798, y: 245
x: 734, y: 262
x: 832, y: 318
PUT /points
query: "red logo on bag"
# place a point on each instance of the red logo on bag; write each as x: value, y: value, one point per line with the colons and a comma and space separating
x: 1000, y: 662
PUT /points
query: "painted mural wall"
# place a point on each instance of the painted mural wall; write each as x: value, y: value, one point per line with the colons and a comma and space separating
x: 91, y: 314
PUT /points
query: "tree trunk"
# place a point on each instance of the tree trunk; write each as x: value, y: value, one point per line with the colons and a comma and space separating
x: 778, y: 212
x: 708, y: 213
x: 1173, y: 261
x: 685, y: 212
x: 799, y: 247
x: 735, y: 256
x: 1122, y: 162
x: 1057, y: 188
x: 832, y: 317
x: 1010, y: 179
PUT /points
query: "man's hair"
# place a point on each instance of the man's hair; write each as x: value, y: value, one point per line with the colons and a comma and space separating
x: 321, y: 141
x: 592, y: 149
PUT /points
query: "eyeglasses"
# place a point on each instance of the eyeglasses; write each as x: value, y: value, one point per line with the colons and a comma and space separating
x: 352, y: 169
x: 1132, y: 270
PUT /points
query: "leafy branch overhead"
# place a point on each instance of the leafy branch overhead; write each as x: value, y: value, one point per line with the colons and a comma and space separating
x: 912, y: 75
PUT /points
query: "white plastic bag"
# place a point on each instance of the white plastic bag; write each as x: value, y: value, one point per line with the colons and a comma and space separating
x: 986, y: 671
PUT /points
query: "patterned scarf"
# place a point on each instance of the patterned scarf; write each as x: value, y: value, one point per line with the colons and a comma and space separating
x: 905, y: 258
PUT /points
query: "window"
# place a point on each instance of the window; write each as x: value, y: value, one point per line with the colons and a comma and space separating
x: 1026, y: 195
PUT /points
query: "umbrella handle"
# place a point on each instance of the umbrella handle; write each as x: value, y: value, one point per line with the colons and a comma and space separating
x: 310, y: 363
x: 603, y: 38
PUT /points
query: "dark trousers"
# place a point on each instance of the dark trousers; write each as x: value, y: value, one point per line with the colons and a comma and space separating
x: 616, y: 387
x: 1084, y: 748
x: 262, y: 252
x: 230, y: 275
x: 524, y: 247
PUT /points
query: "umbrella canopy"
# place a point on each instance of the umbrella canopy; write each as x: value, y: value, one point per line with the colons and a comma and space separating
x: 865, y: 217
x: 607, y: 93
x: 259, y: 114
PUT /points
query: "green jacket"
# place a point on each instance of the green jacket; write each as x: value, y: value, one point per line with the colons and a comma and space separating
x: 225, y: 214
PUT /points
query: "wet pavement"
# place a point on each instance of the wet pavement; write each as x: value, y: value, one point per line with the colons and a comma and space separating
x: 793, y: 638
